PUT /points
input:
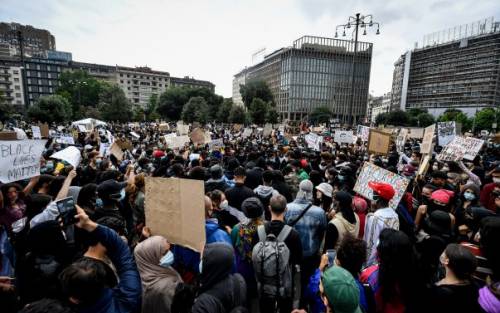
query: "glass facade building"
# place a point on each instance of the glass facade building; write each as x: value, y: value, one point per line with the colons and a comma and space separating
x: 316, y: 72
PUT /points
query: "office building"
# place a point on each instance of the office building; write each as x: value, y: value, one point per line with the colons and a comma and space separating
x: 238, y: 80
x: 454, y: 69
x: 35, y: 41
x: 140, y: 83
x: 315, y: 72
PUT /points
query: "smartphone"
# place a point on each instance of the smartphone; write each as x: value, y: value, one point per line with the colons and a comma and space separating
x: 67, y: 210
x: 331, y: 253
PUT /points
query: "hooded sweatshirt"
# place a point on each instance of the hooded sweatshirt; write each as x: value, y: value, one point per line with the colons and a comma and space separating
x: 220, y: 291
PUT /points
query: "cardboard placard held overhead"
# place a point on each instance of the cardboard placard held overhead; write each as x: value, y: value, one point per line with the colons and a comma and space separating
x: 197, y: 136
x: 8, y: 135
x: 446, y: 131
x: 363, y: 132
x: 461, y: 148
x: 71, y: 155
x: 20, y: 159
x: 343, y: 136
x: 379, y: 142
x: 426, y: 147
x: 44, y: 130
x: 124, y: 143
x: 35, y: 130
x: 116, y: 151
x: 416, y: 133
x: 424, y: 166
x: 401, y: 139
x: 175, y: 209
x: 370, y: 172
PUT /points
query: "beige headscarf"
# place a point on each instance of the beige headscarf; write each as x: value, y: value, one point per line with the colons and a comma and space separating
x: 158, y: 283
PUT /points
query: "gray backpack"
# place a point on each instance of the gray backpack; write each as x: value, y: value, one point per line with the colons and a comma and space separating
x: 271, y: 263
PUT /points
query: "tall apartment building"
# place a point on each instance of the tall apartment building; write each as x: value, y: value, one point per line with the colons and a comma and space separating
x: 190, y: 82
x: 456, y: 68
x: 35, y: 41
x: 378, y: 105
x: 11, y: 85
x: 314, y: 72
x: 140, y: 83
x: 238, y: 80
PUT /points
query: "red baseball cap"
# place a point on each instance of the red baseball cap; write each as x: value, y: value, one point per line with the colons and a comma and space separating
x: 385, y: 191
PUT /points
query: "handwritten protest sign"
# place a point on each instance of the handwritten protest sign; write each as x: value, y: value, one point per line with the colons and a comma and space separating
x: 71, y: 155
x: 215, y: 144
x: 401, y: 139
x: 237, y: 127
x: 124, y: 143
x: 461, y: 148
x: 268, y: 128
x: 370, y: 172
x: 363, y: 132
x: 175, y: 210
x: 116, y: 151
x: 378, y: 142
x: 246, y: 133
x: 135, y: 135
x: 44, y: 130
x: 424, y: 166
x: 179, y: 141
x: 426, y: 147
x: 20, y: 159
x: 68, y: 140
x: 36, y: 132
x: 446, y: 132
x: 343, y: 136
x: 182, y: 129
x: 313, y: 141
x: 416, y: 133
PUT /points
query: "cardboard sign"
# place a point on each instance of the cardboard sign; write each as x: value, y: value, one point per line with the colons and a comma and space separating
x: 378, y: 142
x: 179, y: 141
x: 343, y: 136
x: 35, y: 130
x: 8, y: 135
x: 44, y: 130
x: 124, y: 144
x: 174, y: 209
x: 164, y: 127
x: 20, y: 159
x: 313, y: 141
x: 71, y: 155
x: 424, y: 166
x: 446, y: 132
x: 370, y: 172
x: 401, y: 139
x: 68, y: 140
x: 461, y: 148
x: 268, y: 128
x: 182, y: 129
x: 197, y: 136
x: 416, y: 133
x: 426, y: 147
x: 116, y: 151
x: 363, y: 132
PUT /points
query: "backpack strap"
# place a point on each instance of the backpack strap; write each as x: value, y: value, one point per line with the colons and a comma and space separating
x: 284, y: 233
x: 261, y: 231
x: 301, y: 215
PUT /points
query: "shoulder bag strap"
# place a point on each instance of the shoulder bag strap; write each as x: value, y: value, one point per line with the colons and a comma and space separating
x: 284, y: 233
x: 301, y: 215
x: 261, y: 231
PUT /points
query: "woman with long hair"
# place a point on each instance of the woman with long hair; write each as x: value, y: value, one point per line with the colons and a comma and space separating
x: 344, y: 222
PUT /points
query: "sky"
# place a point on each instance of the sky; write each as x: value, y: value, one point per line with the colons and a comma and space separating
x: 214, y: 39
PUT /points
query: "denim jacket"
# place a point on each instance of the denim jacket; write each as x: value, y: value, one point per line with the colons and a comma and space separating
x: 311, y: 227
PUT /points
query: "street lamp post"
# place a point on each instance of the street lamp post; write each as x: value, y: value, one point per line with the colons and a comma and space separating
x: 359, y: 21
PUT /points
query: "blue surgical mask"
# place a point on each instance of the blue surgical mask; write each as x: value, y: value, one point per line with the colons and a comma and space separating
x: 167, y: 260
x: 469, y: 196
x: 341, y: 177
x: 122, y: 194
x: 98, y: 203
x: 98, y: 162
x: 200, y: 266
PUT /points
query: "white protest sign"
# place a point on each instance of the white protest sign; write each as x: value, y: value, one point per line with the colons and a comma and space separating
x: 313, y: 141
x: 446, y: 131
x: 69, y: 140
x: 21, y: 135
x: 71, y: 155
x: 370, y: 172
x: 426, y: 147
x: 104, y: 149
x: 343, y: 136
x: 179, y: 141
x: 37, y: 134
x: 461, y: 148
x: 215, y: 144
x: 267, y: 130
x: 363, y: 132
x: 82, y: 128
x: 246, y: 133
x: 182, y: 129
x: 135, y: 135
x: 20, y: 159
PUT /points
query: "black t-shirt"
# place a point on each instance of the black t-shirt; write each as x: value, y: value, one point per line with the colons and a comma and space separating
x: 292, y: 241
x: 236, y: 195
x: 454, y: 298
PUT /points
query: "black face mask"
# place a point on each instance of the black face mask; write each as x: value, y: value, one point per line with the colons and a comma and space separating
x: 433, y: 207
x: 425, y: 200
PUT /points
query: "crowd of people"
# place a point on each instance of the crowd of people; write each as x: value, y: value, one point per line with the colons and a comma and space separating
x: 285, y: 230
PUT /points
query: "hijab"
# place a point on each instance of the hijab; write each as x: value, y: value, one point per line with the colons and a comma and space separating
x: 158, y: 283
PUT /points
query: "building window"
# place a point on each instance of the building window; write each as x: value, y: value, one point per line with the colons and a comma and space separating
x: 16, y: 72
x: 121, y: 75
x: 17, y: 79
x: 18, y: 95
x: 17, y: 87
x: 121, y: 81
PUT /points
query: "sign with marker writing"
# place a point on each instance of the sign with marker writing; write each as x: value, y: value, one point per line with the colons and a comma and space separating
x: 20, y: 159
x: 71, y: 155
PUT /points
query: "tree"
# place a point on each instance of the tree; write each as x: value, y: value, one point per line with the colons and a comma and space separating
x: 237, y: 115
x: 256, y: 89
x: 50, y: 109
x: 258, y: 111
x: 457, y: 116
x: 397, y: 118
x: 485, y: 118
x: 195, y: 110
x: 320, y: 115
x: 113, y: 104
x: 381, y: 119
x: 80, y: 89
x: 425, y: 119
x: 6, y: 109
x: 272, y: 116
x: 92, y: 113
x: 138, y: 114
x: 224, y: 111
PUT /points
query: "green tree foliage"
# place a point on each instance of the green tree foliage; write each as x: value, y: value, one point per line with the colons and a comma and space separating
x: 92, y: 113
x: 50, y: 109
x: 113, y: 104
x: 457, y: 116
x: 225, y: 111
x: 258, y: 111
x: 256, y: 89
x: 424, y: 120
x: 381, y: 119
x: 172, y: 101
x: 195, y: 110
x: 6, y: 109
x: 80, y: 89
x: 272, y: 116
x: 150, y: 110
x: 237, y: 115
x: 138, y: 114
x: 485, y: 119
x: 320, y: 115
x: 398, y: 118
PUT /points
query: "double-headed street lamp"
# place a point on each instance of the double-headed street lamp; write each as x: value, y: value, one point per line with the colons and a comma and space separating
x: 363, y: 21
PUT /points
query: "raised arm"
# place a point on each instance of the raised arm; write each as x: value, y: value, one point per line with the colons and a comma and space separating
x: 63, y: 192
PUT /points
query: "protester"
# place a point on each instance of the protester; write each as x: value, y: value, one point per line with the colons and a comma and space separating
x: 344, y: 222
x: 237, y: 194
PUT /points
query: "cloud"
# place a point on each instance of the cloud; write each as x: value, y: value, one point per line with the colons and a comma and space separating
x: 213, y: 40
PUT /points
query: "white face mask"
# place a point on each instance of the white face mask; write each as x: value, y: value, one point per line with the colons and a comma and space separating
x: 435, y: 167
x: 322, y: 167
x: 496, y: 180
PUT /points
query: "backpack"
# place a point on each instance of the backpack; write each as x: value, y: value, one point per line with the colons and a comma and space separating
x: 271, y: 263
